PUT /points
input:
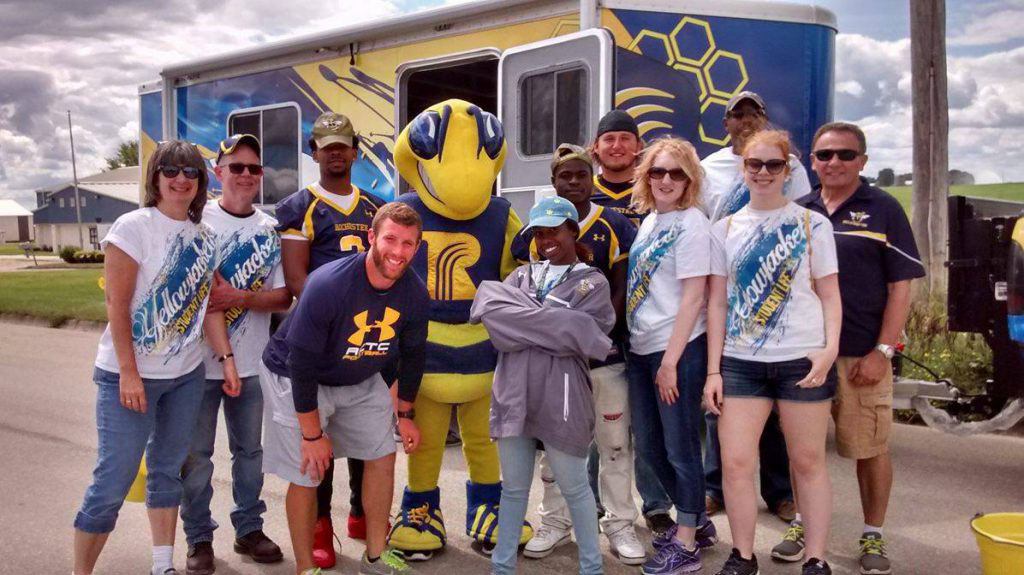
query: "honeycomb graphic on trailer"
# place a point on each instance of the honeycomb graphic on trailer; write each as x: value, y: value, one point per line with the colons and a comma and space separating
x: 690, y: 48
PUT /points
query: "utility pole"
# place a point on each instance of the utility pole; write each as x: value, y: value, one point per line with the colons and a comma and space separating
x: 931, y: 141
x: 74, y: 173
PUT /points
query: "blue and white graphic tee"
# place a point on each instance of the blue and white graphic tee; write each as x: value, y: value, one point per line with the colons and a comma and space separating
x: 768, y: 260
x: 176, y: 263
x: 250, y: 260
x: 668, y: 248
x: 724, y: 192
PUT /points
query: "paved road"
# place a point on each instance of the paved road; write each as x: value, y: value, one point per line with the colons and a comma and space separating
x: 47, y: 449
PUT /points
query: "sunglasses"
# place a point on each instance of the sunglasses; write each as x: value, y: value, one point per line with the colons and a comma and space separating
x: 844, y: 155
x: 171, y: 172
x: 237, y: 168
x: 677, y: 174
x: 774, y: 167
x: 740, y: 114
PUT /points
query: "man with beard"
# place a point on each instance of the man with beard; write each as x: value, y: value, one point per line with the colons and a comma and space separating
x: 722, y: 195
x: 357, y: 315
x: 319, y: 224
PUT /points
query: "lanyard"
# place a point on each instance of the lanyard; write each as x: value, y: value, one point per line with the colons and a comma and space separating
x: 542, y: 292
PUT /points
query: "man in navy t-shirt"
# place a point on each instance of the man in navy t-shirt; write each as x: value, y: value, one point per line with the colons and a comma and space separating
x: 357, y: 316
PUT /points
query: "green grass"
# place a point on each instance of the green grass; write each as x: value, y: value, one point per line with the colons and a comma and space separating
x: 57, y: 296
x: 1012, y: 191
x: 12, y: 249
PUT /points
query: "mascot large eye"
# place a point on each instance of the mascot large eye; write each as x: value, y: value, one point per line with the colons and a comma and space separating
x: 490, y: 133
x: 423, y: 134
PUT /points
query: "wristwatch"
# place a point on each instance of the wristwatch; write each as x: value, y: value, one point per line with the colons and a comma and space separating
x: 411, y: 414
x: 887, y: 350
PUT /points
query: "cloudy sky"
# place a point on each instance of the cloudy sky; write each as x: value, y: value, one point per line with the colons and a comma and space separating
x: 89, y: 56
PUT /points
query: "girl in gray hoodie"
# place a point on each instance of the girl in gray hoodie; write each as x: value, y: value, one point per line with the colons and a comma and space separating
x: 547, y: 320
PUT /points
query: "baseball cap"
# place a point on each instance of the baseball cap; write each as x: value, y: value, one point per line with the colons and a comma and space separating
x: 744, y: 95
x: 333, y: 128
x: 551, y: 211
x: 617, y: 121
x: 568, y: 152
x: 229, y: 145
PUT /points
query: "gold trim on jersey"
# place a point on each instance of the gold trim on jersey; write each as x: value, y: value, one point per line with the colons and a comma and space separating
x: 611, y: 194
x: 348, y: 212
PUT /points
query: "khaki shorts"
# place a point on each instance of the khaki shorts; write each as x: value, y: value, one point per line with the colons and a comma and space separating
x: 863, y: 414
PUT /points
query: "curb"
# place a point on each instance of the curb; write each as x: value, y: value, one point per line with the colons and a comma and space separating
x: 60, y: 323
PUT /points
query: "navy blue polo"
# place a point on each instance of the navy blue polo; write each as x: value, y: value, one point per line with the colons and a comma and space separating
x: 875, y: 247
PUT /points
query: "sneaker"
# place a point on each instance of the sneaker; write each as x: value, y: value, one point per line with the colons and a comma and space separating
x: 737, y: 565
x: 313, y: 571
x: 672, y: 559
x: 712, y: 505
x: 357, y: 527
x: 816, y: 566
x: 199, y: 560
x: 390, y: 562
x: 323, y: 544
x: 707, y: 536
x: 259, y: 547
x: 659, y: 523
x: 625, y: 544
x: 873, y: 559
x: 791, y: 548
x: 786, y: 511
x: 545, y: 540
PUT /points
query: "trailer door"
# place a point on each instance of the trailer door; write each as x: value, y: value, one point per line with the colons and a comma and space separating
x: 550, y: 92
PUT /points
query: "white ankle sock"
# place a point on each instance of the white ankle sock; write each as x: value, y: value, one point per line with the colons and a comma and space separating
x: 798, y: 518
x: 872, y: 529
x: 163, y: 559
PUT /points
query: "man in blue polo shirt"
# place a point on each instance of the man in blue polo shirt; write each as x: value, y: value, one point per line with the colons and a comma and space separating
x: 325, y: 393
x: 877, y: 261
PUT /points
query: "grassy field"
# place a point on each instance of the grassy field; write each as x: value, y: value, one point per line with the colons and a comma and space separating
x: 1013, y: 191
x: 12, y: 249
x: 56, y: 296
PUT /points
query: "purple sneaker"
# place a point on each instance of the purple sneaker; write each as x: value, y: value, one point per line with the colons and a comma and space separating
x: 673, y: 559
x: 706, y: 536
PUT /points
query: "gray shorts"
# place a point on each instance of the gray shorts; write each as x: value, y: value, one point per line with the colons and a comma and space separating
x: 359, y: 419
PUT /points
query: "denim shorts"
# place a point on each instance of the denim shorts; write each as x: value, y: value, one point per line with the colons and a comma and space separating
x: 774, y: 380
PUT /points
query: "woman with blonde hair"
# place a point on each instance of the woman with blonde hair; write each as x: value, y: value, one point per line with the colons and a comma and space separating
x: 668, y: 268
x: 773, y: 333
x: 149, y: 374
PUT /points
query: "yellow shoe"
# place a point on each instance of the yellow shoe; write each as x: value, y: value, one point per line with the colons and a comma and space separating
x: 419, y: 528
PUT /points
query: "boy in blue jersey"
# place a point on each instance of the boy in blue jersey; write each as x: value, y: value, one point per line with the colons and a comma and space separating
x: 326, y: 395
x: 319, y: 224
x: 615, y: 148
x: 609, y: 235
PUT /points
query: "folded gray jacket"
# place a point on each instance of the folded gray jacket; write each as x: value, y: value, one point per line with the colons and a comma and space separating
x: 542, y: 381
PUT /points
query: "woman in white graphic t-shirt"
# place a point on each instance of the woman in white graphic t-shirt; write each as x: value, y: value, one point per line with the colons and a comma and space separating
x: 149, y: 375
x: 773, y: 334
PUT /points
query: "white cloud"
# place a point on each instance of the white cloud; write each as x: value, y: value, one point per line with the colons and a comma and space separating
x: 991, y: 27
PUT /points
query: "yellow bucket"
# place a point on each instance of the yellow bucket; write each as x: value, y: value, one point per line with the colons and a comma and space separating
x: 137, y: 493
x: 1001, y: 542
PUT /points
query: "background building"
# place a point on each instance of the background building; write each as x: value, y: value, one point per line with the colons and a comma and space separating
x: 15, y: 222
x: 104, y: 196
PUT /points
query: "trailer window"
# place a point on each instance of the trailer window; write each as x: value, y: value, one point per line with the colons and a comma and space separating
x: 278, y: 130
x: 553, y: 110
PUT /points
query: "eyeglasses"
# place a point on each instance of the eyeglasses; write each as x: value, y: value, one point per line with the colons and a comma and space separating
x: 677, y: 174
x: 755, y: 165
x: 844, y: 155
x: 171, y: 172
x: 237, y: 168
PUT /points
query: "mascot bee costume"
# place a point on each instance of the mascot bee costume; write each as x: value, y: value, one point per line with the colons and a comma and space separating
x: 451, y: 154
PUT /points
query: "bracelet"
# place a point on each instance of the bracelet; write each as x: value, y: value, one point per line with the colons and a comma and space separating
x: 714, y: 373
x: 223, y: 358
x: 317, y: 438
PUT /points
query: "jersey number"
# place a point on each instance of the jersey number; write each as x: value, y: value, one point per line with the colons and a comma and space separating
x: 352, y: 244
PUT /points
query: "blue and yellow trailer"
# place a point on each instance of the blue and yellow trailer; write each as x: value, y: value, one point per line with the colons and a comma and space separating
x: 547, y: 68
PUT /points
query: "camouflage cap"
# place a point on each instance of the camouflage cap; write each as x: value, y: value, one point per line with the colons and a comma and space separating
x: 568, y: 152
x: 333, y: 128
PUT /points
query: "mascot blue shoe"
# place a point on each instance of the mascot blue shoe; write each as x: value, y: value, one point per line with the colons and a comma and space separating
x: 482, y: 515
x: 419, y: 527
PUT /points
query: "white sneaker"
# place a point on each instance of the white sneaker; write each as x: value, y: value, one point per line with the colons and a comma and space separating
x: 626, y: 545
x: 545, y: 539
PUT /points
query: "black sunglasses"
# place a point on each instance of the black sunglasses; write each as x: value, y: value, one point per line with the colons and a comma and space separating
x: 237, y: 168
x: 844, y: 155
x: 774, y: 167
x: 677, y: 174
x: 171, y: 172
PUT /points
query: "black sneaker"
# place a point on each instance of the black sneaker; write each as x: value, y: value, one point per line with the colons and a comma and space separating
x: 659, y: 523
x: 737, y: 565
x: 816, y: 566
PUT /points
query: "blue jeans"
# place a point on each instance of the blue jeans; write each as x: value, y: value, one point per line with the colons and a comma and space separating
x: 775, y: 485
x: 518, y: 456
x: 668, y: 436
x: 163, y: 434
x: 244, y: 418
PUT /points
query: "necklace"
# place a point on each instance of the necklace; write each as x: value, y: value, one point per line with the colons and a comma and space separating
x: 542, y: 291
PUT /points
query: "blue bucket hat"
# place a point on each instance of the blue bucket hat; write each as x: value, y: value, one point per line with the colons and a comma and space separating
x: 551, y: 211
